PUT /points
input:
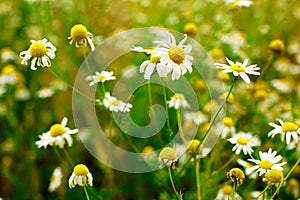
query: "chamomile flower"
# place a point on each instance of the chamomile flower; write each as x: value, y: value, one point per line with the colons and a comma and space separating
x: 178, y: 101
x: 247, y: 165
x: 81, y: 176
x: 289, y: 131
x: 196, y: 117
x: 154, y: 63
x: 101, y: 77
x: 240, y: 3
x: 274, y: 176
x: 55, y: 180
x: 244, y: 142
x: 175, y: 56
x: 45, y: 92
x: 115, y: 105
x: 268, y: 160
x: 58, y: 135
x: 239, y: 69
x: 9, y: 75
x: 41, y: 51
x: 80, y: 35
x: 227, y: 126
x: 167, y: 156
x: 225, y: 193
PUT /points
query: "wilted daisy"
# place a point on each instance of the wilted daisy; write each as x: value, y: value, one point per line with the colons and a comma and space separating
x: 80, y: 35
x: 178, y: 101
x: 167, y: 156
x: 55, y: 180
x: 115, y: 105
x: 289, y: 131
x: 58, y: 135
x: 225, y: 193
x: 41, y: 51
x: 236, y: 175
x: 239, y: 69
x: 175, y: 56
x: 268, y: 160
x: 101, y: 77
x: 240, y: 3
x: 244, y: 141
x: 80, y: 176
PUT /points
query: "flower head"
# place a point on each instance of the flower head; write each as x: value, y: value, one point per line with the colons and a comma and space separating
x: 236, y: 175
x: 115, y: 105
x: 196, y: 117
x: 289, y: 131
x: 41, y: 51
x: 80, y: 35
x: 225, y: 192
x: 268, y: 160
x: 58, y: 135
x: 100, y: 77
x: 276, y: 46
x: 178, y: 101
x: 175, y: 56
x: 239, y: 69
x: 274, y: 176
x: 190, y: 29
x: 244, y: 141
x: 167, y: 156
x: 227, y: 126
x: 55, y: 180
x: 239, y: 3
x: 80, y: 176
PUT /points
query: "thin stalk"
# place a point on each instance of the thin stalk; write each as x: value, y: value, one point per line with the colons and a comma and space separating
x: 58, y: 154
x: 179, y: 196
x: 180, y: 127
x: 233, y: 191
x: 267, y: 66
x: 69, y: 85
x: 262, y: 193
x: 167, y: 111
x: 198, y: 178
x: 86, y: 193
x: 86, y: 60
x: 68, y: 157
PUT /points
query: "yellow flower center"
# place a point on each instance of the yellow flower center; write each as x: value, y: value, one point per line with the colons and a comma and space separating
x: 78, y: 32
x: 237, y: 173
x: 289, y: 126
x: 114, y: 102
x: 227, y: 189
x: 148, y: 149
x: 242, y: 140
x: 227, y: 121
x: 237, y: 68
x: 177, y: 54
x: 168, y: 153
x: 56, y: 130
x: 101, y: 77
x: 274, y: 176
x: 191, y: 147
x: 190, y: 29
x: 37, y: 49
x: 179, y: 96
x: 265, y: 164
x: 80, y: 170
x: 154, y: 59
x: 277, y: 46
x: 8, y: 69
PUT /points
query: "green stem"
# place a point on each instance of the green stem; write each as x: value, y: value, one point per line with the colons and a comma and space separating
x: 58, y: 154
x: 86, y: 60
x: 69, y: 85
x: 266, y: 66
x: 287, y: 176
x: 233, y: 191
x: 227, y: 163
x: 68, y: 157
x: 179, y: 196
x: 167, y: 110
x: 180, y: 127
x: 262, y: 193
x: 86, y: 193
x: 198, y: 178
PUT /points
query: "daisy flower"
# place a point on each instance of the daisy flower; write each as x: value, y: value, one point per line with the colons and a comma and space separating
x: 274, y: 176
x: 227, y: 126
x: 240, y: 3
x: 55, y: 180
x: 45, y: 92
x: 9, y: 75
x: 167, y: 156
x: 224, y: 193
x: 178, y: 101
x: 195, y: 117
x: 288, y: 130
x: 58, y: 135
x: 80, y: 176
x: 115, y: 105
x: 175, y: 56
x: 268, y: 160
x: 100, y: 77
x: 154, y: 63
x: 244, y: 141
x: 247, y: 166
x: 41, y: 51
x: 239, y: 69
x: 80, y: 35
